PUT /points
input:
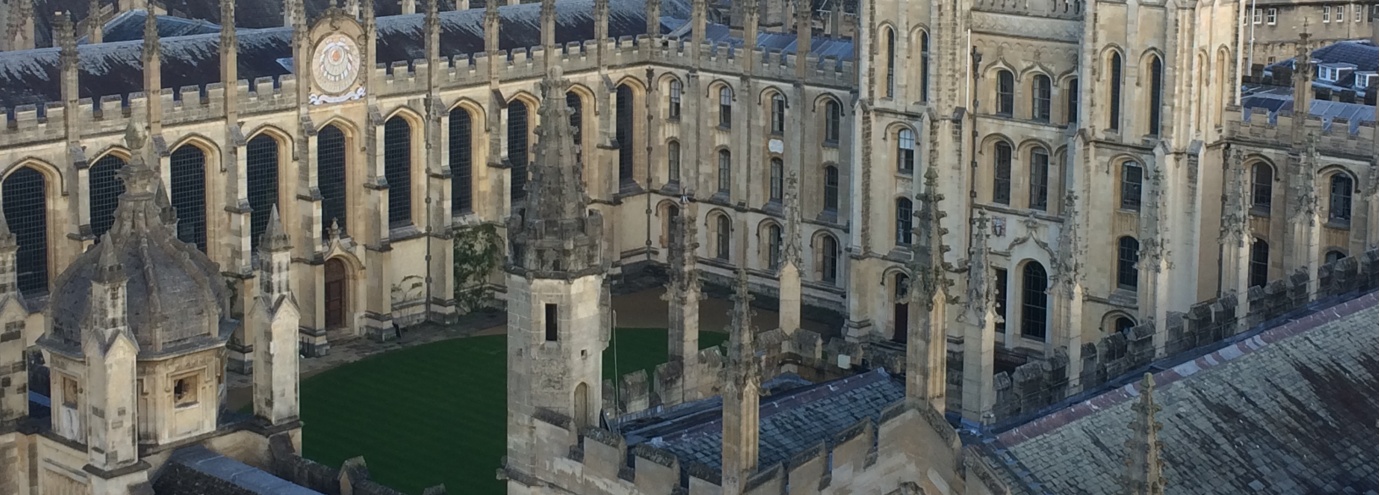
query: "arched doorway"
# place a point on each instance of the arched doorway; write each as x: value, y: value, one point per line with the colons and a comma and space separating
x: 336, y: 289
x: 582, y: 405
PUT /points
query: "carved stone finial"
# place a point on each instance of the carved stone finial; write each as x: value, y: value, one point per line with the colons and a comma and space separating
x: 1068, y: 262
x: 791, y: 250
x: 1236, y: 225
x: 1144, y: 473
x: 927, y: 266
x: 741, y: 346
x: 980, y: 292
x: 274, y: 237
x: 109, y: 270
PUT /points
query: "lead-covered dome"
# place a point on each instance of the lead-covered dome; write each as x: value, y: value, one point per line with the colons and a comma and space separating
x: 174, y: 298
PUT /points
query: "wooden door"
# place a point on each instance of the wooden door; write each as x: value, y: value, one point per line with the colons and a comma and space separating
x: 335, y: 293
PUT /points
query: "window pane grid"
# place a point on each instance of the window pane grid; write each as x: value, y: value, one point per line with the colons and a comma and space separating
x: 774, y: 246
x: 1339, y: 202
x: 673, y: 161
x: 725, y: 171
x: 776, y: 171
x: 905, y: 150
x: 397, y: 160
x: 1114, y: 112
x: 1040, y: 104
x: 1128, y: 254
x: 1034, y: 301
x: 1262, y: 187
x: 330, y: 178
x: 189, y: 194
x: 261, y: 178
x: 1071, y: 108
x: 724, y: 231
x: 831, y: 188
x: 1006, y: 93
x: 461, y: 161
x: 1156, y: 90
x: 26, y: 213
x: 1260, y: 263
x: 778, y: 114
x: 1130, y: 186
x: 674, y: 109
x: 106, y: 189
x: 831, y: 259
x: 725, y: 107
x: 833, y: 114
x: 572, y: 102
x: 624, y: 134
x: 1001, y: 174
x: 924, y: 67
x: 903, y: 221
x: 1039, y: 180
x: 517, y: 149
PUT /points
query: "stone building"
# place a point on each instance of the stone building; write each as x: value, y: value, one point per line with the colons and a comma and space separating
x: 1100, y: 175
x: 1272, y: 27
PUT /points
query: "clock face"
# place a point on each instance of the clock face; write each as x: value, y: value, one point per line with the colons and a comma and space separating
x: 336, y: 64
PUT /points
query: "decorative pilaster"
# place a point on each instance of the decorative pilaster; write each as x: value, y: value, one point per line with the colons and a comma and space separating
x: 740, y: 396
x: 1235, y: 237
x: 111, y: 351
x: 927, y: 340
x: 1144, y: 474
x: 683, y: 297
x: 979, y: 329
x: 1067, y: 289
x: 1305, y: 223
x: 1153, y: 263
x: 274, y: 319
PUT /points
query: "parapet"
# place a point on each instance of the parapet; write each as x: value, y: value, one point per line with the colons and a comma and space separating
x: 1335, y: 136
x: 1057, y: 9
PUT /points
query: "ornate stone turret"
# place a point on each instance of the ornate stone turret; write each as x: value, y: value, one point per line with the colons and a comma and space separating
x: 1153, y: 259
x: 1235, y: 236
x: 789, y: 274
x: 740, y: 393
x: 979, y: 321
x: 273, y: 321
x: 927, y: 342
x: 1144, y: 473
x: 1305, y: 220
x: 110, y: 350
x: 1067, y: 289
x: 555, y: 235
x: 683, y: 312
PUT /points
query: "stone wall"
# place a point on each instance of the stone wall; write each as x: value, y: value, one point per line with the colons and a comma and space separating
x: 352, y: 477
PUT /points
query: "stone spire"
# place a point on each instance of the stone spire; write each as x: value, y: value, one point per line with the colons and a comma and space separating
x: 1144, y: 467
x: 790, y: 249
x: 139, y: 210
x: 1067, y: 289
x: 1068, y: 260
x: 273, y: 323
x: 681, y: 253
x: 740, y: 395
x: 683, y: 311
x: 229, y: 58
x: 68, y: 58
x: 556, y: 234
x: 95, y: 29
x: 1235, y: 238
x: 927, y: 341
x: 548, y: 32
x: 275, y: 246
x: 980, y: 291
x: 789, y: 270
x: 978, y: 323
x: 1303, y: 82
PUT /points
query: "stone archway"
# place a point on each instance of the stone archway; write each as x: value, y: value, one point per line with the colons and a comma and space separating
x: 337, y: 294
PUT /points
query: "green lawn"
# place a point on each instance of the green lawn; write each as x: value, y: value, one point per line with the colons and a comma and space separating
x: 435, y: 413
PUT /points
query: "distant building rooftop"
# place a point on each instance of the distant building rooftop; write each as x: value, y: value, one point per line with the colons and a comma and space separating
x: 198, y: 470
x: 1291, y: 410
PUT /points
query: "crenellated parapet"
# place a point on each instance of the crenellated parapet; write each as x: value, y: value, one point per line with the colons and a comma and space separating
x: 1058, y: 9
x: 1335, y: 136
x: 868, y: 457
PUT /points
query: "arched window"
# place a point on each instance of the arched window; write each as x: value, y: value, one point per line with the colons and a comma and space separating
x: 577, y: 124
x: 1333, y: 256
x: 890, y: 63
x: 831, y: 188
x: 1127, y: 255
x: 723, y: 233
x: 1042, y: 92
x: 1071, y: 102
x: 673, y: 161
x: 777, y: 169
x: 624, y: 135
x: 461, y: 161
x: 106, y: 189
x: 1339, y: 199
x: 25, y: 201
x: 261, y: 177
x: 1131, y: 176
x: 905, y: 151
x: 773, y: 246
x: 1156, y: 94
x: 903, y: 221
x: 833, y: 113
x: 1001, y: 173
x: 517, y: 149
x: 1006, y: 93
x: 778, y: 114
x: 725, y: 172
x: 924, y: 66
x: 189, y: 194
x: 1260, y: 263
x: 1114, y: 93
x: 330, y: 178
x: 1123, y: 324
x: 1039, y: 179
x: 1034, y: 300
x: 1262, y: 188
x: 829, y: 251
x: 673, y: 100
x: 397, y: 170
x: 725, y: 107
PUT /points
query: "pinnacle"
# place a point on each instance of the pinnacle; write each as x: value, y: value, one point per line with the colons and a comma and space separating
x: 108, y: 267
x: 274, y: 238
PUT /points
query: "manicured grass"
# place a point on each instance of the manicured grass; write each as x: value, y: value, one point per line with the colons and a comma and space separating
x: 435, y: 413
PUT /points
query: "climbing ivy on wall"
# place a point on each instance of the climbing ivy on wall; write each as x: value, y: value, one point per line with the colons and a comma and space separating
x: 477, y: 254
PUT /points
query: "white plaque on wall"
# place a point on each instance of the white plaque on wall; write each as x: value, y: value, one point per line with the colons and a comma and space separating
x: 776, y: 146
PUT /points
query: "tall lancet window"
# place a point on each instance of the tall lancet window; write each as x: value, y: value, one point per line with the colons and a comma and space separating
x: 1114, y: 93
x: 106, y: 188
x: 189, y: 194
x: 261, y: 154
x: 1156, y: 95
x: 1034, y: 300
x: 924, y: 66
x: 625, y: 135
x: 1039, y: 179
x: 461, y: 161
x: 572, y: 102
x: 517, y: 149
x: 890, y: 63
x: 330, y: 177
x: 397, y: 168
x: 24, y: 195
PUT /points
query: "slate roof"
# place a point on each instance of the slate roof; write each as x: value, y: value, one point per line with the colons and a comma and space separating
x: 31, y: 77
x: 790, y: 422
x: 129, y: 25
x: 1289, y: 411
x: 198, y: 470
x: 822, y: 46
x: 1277, y: 99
